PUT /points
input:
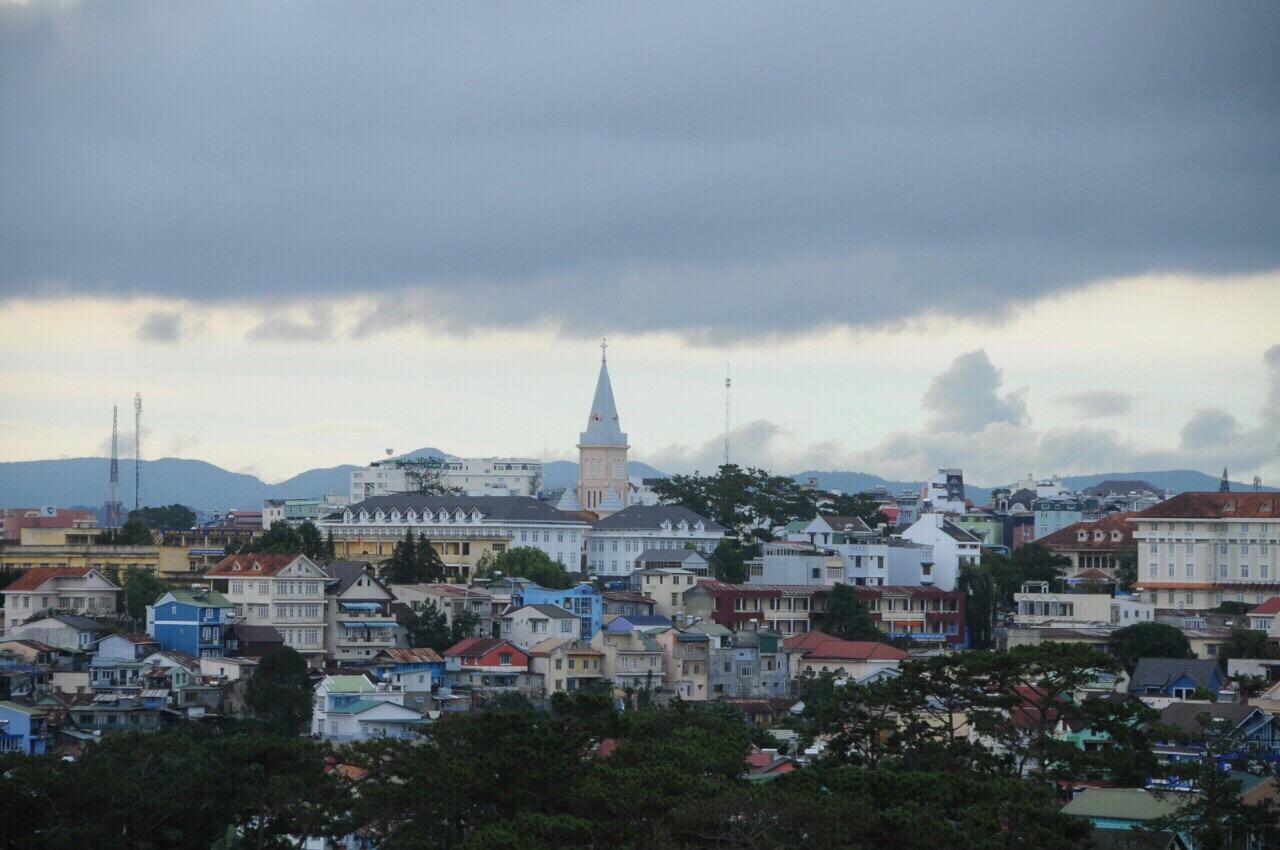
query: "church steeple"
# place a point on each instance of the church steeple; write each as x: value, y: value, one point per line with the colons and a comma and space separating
x: 602, y: 423
x: 1224, y: 486
x: 602, y: 450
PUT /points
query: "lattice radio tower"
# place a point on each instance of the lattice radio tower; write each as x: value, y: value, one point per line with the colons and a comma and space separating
x: 137, y: 451
x: 728, y: 383
x: 113, y: 506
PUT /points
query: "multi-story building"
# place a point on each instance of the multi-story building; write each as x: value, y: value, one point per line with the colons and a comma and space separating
x: 532, y: 624
x: 787, y: 609
x: 582, y: 600
x: 283, y: 591
x: 78, y: 589
x: 632, y: 658
x: 1055, y: 512
x: 23, y: 729
x: 461, y: 528
x: 486, y: 665
x: 1097, y: 545
x: 615, y: 542
x: 472, y: 476
x: 944, y: 493
x: 1037, y: 605
x: 953, y: 547
x: 565, y: 664
x: 665, y: 586
x: 926, y: 614
x: 359, y: 624
x: 452, y: 600
x: 351, y: 708
x: 13, y: 520
x: 77, y: 547
x: 1198, y: 550
x: 816, y: 653
x: 295, y: 512
x: 190, y: 621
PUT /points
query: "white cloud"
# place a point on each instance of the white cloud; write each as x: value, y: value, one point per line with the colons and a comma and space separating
x: 964, y: 398
x: 1096, y: 404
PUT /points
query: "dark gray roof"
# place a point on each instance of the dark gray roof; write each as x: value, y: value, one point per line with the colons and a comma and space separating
x: 1161, y: 672
x: 346, y: 573
x: 550, y: 611
x: 955, y: 532
x: 646, y: 517
x: 255, y: 634
x: 1122, y: 487
x: 75, y: 621
x: 509, y: 508
x: 1184, y: 715
x: 668, y: 556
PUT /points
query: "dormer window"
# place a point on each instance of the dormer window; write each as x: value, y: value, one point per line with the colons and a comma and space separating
x: 1115, y: 537
x: 235, y: 568
x: 1229, y: 507
x: 346, y: 516
x: 1097, y: 535
x: 1265, y: 507
x: 395, y: 516
x: 380, y: 516
x: 1082, y: 535
x: 411, y: 515
x: 699, y: 526
x: 427, y: 516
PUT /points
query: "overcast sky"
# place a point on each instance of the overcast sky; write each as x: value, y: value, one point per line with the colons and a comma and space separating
x: 1008, y: 237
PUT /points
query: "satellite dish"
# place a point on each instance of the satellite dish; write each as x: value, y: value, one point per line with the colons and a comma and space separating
x: 48, y: 510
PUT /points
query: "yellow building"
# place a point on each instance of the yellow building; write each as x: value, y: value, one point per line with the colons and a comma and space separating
x: 76, y: 547
x: 460, y: 556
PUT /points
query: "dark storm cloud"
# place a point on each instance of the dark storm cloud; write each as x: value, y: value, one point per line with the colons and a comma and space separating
x: 160, y: 326
x: 712, y: 168
x: 1095, y: 404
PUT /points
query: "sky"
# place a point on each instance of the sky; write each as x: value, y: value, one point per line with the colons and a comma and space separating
x: 1003, y: 237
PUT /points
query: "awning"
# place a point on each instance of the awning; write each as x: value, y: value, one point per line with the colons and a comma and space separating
x: 360, y: 606
x: 369, y: 624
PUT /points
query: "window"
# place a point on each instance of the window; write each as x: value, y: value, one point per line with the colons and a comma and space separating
x: 559, y: 663
x: 566, y: 626
x: 1172, y: 571
x: 504, y: 658
x: 1152, y: 571
x: 1222, y: 570
x: 237, y: 587
x: 1191, y: 570
x: 1244, y: 571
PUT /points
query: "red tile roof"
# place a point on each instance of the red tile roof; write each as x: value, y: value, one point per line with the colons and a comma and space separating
x: 821, y: 645
x: 251, y: 565
x: 34, y: 578
x: 1270, y: 606
x: 1068, y: 538
x: 790, y: 589
x: 416, y: 655
x: 1215, y: 506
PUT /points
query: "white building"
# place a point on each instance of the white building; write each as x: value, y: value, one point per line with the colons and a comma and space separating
x: 615, y: 542
x: 1037, y: 605
x: 952, y: 547
x: 78, y: 589
x: 284, y: 591
x: 944, y: 493
x: 1198, y: 550
x: 531, y: 624
x: 295, y: 512
x: 351, y: 708
x: 358, y: 624
x: 474, y: 476
x: 520, y: 520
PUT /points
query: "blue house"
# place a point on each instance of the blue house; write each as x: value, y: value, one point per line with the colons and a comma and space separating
x: 1178, y: 678
x: 190, y: 621
x: 23, y: 729
x: 584, y: 601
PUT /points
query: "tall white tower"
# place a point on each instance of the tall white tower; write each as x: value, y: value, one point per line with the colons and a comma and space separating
x: 602, y: 450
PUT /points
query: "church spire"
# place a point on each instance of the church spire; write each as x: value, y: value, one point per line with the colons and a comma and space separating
x: 1224, y: 486
x: 602, y: 423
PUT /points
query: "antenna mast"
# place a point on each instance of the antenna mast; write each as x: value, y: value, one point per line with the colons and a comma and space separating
x: 113, y: 485
x: 727, y: 384
x: 137, y: 451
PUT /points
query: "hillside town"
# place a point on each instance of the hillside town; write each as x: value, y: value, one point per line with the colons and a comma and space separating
x: 1115, y: 650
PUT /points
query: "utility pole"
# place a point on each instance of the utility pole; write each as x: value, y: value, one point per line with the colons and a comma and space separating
x: 727, y: 384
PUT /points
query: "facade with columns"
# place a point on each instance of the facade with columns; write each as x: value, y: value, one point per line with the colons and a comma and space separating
x: 602, y: 452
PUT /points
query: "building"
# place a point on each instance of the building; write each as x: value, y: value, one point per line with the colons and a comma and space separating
x: 452, y: 600
x: 23, y: 729
x: 1056, y: 512
x: 665, y: 586
x: 747, y: 663
x: 68, y: 632
x: 13, y: 520
x: 944, y: 493
x: 1036, y: 604
x: 206, y: 545
x: 952, y: 546
x: 815, y: 653
x: 294, y: 512
x: 786, y: 609
x: 461, y: 528
x: 190, y: 621
x: 1127, y: 809
x: 351, y: 708
x: 921, y: 613
x: 78, y: 548
x: 286, y: 592
x: 416, y: 671
x: 1263, y: 617
x: 119, y: 663
x: 474, y: 476
x: 1098, y: 545
x: 689, y: 560
x: 245, y: 641
x: 565, y: 665
x: 75, y: 589
x: 616, y: 541
x: 1176, y: 678
x: 1198, y: 550
x: 632, y: 658
x: 617, y: 603
x: 603, y: 483
x: 582, y: 600
x: 358, y: 620
x: 487, y: 665
x: 532, y: 624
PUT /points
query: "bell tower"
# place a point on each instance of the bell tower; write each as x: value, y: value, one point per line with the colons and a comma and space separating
x: 602, y: 450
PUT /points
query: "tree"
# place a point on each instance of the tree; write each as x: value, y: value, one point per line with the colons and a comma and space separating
x: 330, y: 553
x: 1245, y: 643
x: 280, y: 539
x: 1127, y: 567
x: 857, y: 504
x: 402, y: 566
x: 848, y: 618
x: 279, y: 693
x: 426, y: 476
x: 979, y: 588
x: 1148, y: 640
x: 312, y: 544
x: 141, y: 588
x: 728, y: 562
x: 527, y: 562
x: 748, y: 501
x: 133, y: 533
x: 427, y: 560
x: 428, y: 628
x: 170, y: 517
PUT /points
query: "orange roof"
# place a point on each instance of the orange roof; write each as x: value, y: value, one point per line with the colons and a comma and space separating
x: 821, y: 645
x: 251, y: 565
x: 34, y: 578
x: 1069, y: 538
x: 1270, y: 606
x: 1215, y: 506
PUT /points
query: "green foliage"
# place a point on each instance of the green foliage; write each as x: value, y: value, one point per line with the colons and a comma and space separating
x: 744, y: 500
x: 848, y: 618
x: 1148, y: 640
x: 279, y: 692
x: 1245, y: 643
x: 978, y: 585
x: 133, y: 533
x: 141, y: 588
x: 1029, y: 562
x: 283, y: 539
x: 1232, y: 607
x: 413, y: 561
x: 527, y: 562
x: 168, y: 518
x: 430, y: 628
x: 1127, y: 567
x: 729, y: 561
x: 852, y: 504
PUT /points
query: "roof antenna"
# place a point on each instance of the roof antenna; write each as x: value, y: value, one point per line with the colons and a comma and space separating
x: 727, y: 384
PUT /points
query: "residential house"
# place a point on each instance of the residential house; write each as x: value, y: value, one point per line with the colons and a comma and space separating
x: 284, y: 591
x: 633, y: 658
x: 582, y: 600
x: 1262, y: 618
x: 452, y: 600
x: 351, y: 708
x: 748, y: 663
x: 952, y: 546
x: 1175, y: 678
x: 241, y: 640
x: 1097, y: 545
x: 114, y: 712
x: 816, y: 653
x: 1126, y: 809
x: 786, y: 609
x: 416, y: 671
x: 665, y: 586
x: 562, y: 664
x: 615, y: 542
x: 924, y: 614
x: 69, y: 632
x: 359, y: 624
x: 120, y: 661
x: 485, y: 664
x: 1198, y: 550
x: 190, y: 621
x: 617, y: 602
x: 78, y: 590
x: 673, y: 559
x: 687, y: 659
x: 532, y: 624
x: 1036, y: 604
x: 23, y: 729
x: 1258, y: 730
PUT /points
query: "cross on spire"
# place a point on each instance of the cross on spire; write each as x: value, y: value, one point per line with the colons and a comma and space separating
x: 604, y: 344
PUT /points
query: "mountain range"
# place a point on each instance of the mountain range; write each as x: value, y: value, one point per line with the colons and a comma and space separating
x: 203, y: 486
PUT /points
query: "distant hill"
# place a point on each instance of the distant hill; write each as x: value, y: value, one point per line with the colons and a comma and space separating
x: 1177, y: 480
x: 856, y: 482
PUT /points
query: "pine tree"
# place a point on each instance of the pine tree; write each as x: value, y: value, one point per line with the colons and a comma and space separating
x: 429, y: 566
x: 402, y: 566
